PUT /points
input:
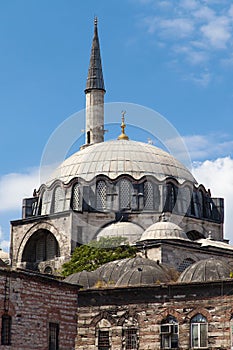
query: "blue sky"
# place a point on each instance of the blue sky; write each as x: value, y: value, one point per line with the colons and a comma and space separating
x: 175, y: 57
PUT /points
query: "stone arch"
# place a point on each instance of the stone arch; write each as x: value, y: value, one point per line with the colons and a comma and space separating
x: 40, y: 247
x: 132, y: 316
x: 169, y: 312
x: 199, y: 310
x: 103, y: 315
x: 43, y: 225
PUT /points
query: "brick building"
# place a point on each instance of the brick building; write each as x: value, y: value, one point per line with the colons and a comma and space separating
x: 36, y: 312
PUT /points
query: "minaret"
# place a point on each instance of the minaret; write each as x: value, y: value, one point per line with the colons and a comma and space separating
x: 95, y: 94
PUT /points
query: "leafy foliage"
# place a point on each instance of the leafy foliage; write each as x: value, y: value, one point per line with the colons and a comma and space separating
x: 96, y: 253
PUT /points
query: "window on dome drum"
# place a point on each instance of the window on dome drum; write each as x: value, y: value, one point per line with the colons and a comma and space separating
x: 101, y: 195
x: 148, y: 195
x: 103, y: 340
x: 58, y: 200
x: 53, y: 336
x: 6, y: 330
x: 125, y: 194
x: 77, y: 198
x: 169, y: 333
x: 185, y: 263
x: 198, y: 331
x: 130, y: 339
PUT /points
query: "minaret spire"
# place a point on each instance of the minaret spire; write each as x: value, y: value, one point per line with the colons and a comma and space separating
x: 95, y: 91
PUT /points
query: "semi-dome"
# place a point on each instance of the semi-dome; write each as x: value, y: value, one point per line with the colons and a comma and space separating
x: 84, y: 278
x: 163, y: 230
x: 142, y: 275
x: 206, y: 270
x: 132, y: 232
x: 117, y: 157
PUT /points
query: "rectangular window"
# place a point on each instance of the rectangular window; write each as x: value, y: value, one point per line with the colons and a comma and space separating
x: 130, y: 336
x: 6, y: 330
x: 169, y: 336
x: 53, y: 336
x: 103, y: 340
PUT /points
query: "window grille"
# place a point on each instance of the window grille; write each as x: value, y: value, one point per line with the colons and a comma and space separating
x: 131, y: 340
x: 148, y: 196
x: 77, y: 201
x: 185, y: 263
x: 53, y: 336
x: 103, y: 340
x: 169, y: 333
x: 6, y: 330
x: 199, y: 332
x: 125, y: 194
x: 101, y: 195
x: 58, y: 200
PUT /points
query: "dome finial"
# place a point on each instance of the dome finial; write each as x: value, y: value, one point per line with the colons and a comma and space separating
x: 123, y: 136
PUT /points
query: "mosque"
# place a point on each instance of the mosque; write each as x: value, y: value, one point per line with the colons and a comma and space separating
x: 133, y: 190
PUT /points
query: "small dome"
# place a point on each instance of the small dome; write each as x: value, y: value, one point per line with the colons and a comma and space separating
x: 205, y: 270
x: 128, y: 230
x: 84, y: 278
x: 112, y: 271
x: 117, y: 157
x: 142, y: 275
x: 163, y: 230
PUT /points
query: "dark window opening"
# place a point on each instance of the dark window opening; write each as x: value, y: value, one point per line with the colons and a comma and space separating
x: 53, y: 336
x: 6, y: 330
x: 103, y: 340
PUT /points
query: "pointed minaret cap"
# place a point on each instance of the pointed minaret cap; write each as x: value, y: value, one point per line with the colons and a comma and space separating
x: 123, y: 136
x: 95, y: 78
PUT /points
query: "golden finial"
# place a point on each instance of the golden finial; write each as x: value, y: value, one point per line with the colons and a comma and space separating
x: 123, y: 136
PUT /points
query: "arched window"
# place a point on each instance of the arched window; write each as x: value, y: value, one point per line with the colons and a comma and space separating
x: 148, y: 195
x: 130, y: 340
x: 169, y: 333
x: 77, y: 198
x: 185, y: 263
x: 184, y: 195
x: 125, y: 194
x: 58, y: 200
x: 170, y: 197
x: 101, y: 195
x: 198, y: 331
x: 103, y: 335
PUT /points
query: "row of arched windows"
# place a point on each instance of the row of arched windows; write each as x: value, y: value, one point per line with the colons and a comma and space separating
x: 169, y: 334
x: 127, y: 195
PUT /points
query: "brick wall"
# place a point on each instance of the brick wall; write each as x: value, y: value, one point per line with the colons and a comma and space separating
x: 33, y: 301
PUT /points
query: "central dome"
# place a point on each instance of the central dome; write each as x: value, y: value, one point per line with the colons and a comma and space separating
x: 114, y: 158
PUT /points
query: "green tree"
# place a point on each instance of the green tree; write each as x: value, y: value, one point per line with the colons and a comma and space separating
x: 96, y: 253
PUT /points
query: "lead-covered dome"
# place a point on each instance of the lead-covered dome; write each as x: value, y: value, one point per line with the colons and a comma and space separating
x: 163, y: 230
x: 132, y: 232
x: 206, y: 270
x: 114, y: 158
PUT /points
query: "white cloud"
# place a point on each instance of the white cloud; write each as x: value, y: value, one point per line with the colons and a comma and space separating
x: 206, y: 147
x: 197, y: 31
x: 16, y: 186
x: 217, y: 175
x: 217, y: 32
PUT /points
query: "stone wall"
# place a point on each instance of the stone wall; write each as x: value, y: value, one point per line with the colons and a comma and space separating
x: 33, y: 301
x: 148, y: 306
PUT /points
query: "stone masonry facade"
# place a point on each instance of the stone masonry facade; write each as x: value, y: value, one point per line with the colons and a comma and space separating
x: 146, y: 307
